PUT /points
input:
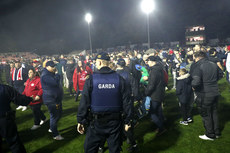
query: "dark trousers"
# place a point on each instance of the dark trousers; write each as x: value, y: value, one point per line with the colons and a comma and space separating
x: 156, y: 114
x: 71, y: 87
x: 38, y: 114
x: 191, y: 103
x: 130, y: 136
x: 55, y: 115
x: 210, y: 117
x: 97, y: 132
x: 70, y: 79
x: 19, y: 89
x: 77, y: 95
x: 185, y: 107
x: 8, y: 130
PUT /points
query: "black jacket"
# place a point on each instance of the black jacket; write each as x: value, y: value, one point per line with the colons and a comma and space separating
x: 69, y: 71
x: 205, y: 77
x: 136, y: 76
x: 156, y: 86
x: 9, y: 94
x: 127, y: 76
x: 184, y: 88
x: 85, y: 102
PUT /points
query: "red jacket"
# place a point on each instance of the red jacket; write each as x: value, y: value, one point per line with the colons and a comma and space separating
x: 33, y: 88
x: 79, y: 78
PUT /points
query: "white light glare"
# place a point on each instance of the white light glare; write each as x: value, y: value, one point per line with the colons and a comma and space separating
x: 88, y: 17
x: 147, y: 6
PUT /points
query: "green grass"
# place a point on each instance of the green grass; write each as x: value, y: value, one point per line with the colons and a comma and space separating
x: 177, y: 139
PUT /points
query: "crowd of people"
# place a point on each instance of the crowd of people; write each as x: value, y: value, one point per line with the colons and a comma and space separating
x: 116, y: 89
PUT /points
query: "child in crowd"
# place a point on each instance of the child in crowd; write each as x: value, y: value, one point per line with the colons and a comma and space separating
x: 184, y: 94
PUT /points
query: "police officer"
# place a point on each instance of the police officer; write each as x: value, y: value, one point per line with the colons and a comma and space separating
x: 105, y: 99
x: 8, y: 128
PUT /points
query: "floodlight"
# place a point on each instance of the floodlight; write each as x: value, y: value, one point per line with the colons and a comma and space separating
x: 147, y: 6
x: 88, y: 17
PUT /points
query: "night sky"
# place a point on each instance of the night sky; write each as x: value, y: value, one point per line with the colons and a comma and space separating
x: 58, y: 25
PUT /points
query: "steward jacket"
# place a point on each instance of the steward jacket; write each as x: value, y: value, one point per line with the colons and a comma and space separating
x: 156, y: 86
x: 184, y: 88
x: 205, y: 77
x: 9, y: 94
x: 51, y: 86
x: 85, y: 102
x: 33, y: 88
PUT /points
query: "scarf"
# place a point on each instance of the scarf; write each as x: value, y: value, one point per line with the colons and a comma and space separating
x: 19, y: 74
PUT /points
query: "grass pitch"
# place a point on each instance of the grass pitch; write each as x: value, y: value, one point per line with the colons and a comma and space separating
x: 177, y: 139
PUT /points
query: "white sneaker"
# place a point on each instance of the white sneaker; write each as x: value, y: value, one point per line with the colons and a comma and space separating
x: 43, y: 121
x: 189, y: 120
x: 204, y: 137
x: 184, y: 122
x: 34, y: 127
x: 59, y: 137
x: 49, y: 131
x: 19, y: 107
x: 24, y: 108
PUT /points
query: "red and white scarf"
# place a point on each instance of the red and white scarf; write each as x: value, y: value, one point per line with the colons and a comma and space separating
x: 19, y: 74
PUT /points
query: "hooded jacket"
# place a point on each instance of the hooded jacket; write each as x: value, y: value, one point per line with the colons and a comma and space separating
x: 184, y: 88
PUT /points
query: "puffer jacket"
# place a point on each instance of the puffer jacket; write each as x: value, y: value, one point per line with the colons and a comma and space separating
x: 205, y: 77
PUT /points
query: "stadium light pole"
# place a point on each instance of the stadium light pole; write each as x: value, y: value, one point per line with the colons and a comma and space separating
x: 147, y: 6
x: 88, y: 19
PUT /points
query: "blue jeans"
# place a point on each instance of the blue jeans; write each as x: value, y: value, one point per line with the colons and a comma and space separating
x: 55, y: 115
x: 227, y: 77
x: 156, y: 114
x: 147, y: 102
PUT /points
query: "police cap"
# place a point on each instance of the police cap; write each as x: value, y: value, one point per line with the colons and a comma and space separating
x: 50, y: 63
x: 121, y: 62
x: 103, y: 56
